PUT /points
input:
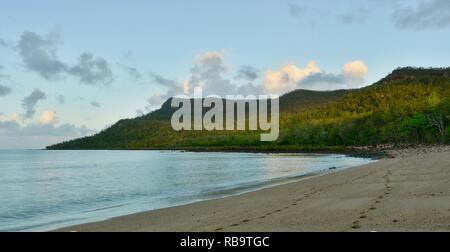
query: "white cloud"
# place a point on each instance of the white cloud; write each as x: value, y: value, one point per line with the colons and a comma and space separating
x: 288, y: 78
x: 38, y: 135
x: 186, y: 87
x: 211, y: 72
x: 208, y: 71
x: 213, y: 59
x: 355, y: 73
x: 355, y: 69
x: 13, y: 117
x: 291, y: 77
x: 48, y: 117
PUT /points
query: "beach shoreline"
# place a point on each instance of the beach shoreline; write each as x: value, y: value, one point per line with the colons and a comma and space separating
x: 374, y: 152
x: 407, y: 191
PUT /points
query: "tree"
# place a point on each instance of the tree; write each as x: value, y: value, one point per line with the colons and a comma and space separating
x: 415, y: 126
x: 447, y: 133
x: 436, y: 120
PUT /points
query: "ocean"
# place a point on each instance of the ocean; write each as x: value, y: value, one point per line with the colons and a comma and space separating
x: 43, y: 190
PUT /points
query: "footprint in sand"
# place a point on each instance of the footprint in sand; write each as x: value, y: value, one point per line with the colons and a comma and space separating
x: 387, y: 189
x: 356, y: 225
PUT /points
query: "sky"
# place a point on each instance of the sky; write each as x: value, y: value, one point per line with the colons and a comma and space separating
x: 71, y: 69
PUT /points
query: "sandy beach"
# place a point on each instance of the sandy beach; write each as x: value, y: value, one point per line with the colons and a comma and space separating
x: 408, y: 192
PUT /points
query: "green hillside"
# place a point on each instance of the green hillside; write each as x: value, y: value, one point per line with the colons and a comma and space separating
x: 410, y: 105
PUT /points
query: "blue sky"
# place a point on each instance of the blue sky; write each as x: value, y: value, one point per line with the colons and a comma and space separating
x: 69, y: 69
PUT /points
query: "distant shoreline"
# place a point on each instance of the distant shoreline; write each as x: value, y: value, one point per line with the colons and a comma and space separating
x: 407, y: 193
x: 374, y: 152
x: 353, y: 151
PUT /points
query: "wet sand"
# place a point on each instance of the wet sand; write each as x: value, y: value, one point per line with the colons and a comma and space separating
x: 410, y: 192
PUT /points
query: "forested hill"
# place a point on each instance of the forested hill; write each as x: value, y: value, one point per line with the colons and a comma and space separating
x: 298, y: 100
x: 410, y: 105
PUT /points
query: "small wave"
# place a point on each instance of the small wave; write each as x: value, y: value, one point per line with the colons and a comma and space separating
x: 104, y: 208
x: 40, y: 226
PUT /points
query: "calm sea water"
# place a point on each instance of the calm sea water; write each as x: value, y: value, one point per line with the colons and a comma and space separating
x: 43, y: 190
